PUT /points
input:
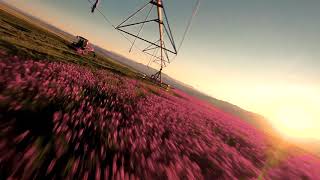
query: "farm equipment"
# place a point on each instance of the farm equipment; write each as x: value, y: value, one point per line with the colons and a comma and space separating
x: 82, y: 46
x: 161, y: 50
x: 81, y: 43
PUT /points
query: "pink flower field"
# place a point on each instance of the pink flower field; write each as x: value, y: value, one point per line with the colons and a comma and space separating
x: 65, y: 121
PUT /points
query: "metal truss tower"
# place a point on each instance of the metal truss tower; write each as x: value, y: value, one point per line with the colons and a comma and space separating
x: 160, y: 54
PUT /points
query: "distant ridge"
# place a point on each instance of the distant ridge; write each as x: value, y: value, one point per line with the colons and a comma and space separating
x: 34, y: 20
x: 257, y: 120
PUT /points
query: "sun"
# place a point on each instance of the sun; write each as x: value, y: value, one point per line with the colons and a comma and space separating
x: 296, y: 122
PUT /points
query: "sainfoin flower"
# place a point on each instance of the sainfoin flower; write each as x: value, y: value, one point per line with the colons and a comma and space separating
x: 66, y: 121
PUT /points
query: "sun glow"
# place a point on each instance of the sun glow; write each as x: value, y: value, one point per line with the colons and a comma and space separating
x: 292, y: 109
x: 296, y: 122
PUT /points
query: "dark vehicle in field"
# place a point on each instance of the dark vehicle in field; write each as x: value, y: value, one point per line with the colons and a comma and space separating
x: 82, y: 46
x: 80, y: 43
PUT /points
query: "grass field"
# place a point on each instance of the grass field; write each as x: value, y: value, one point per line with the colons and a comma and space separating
x: 27, y: 40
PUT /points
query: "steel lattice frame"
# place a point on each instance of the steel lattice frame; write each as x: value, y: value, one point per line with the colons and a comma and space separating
x: 164, y: 29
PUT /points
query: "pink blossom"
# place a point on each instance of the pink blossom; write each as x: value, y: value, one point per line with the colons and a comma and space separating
x: 51, y: 165
x: 101, y: 118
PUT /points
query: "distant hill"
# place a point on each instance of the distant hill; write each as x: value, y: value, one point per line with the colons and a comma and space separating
x: 36, y: 21
x: 253, y: 118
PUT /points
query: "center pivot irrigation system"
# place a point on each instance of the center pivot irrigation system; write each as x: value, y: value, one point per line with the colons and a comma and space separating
x: 160, y: 49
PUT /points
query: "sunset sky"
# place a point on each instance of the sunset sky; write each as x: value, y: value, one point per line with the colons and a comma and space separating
x: 262, y: 55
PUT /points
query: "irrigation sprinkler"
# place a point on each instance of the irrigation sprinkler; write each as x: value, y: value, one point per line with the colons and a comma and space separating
x: 158, y: 50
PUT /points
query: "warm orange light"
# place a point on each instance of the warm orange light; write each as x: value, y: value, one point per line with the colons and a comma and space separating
x: 296, y: 122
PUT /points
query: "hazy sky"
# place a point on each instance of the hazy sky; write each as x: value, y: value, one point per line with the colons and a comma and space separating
x: 262, y: 55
